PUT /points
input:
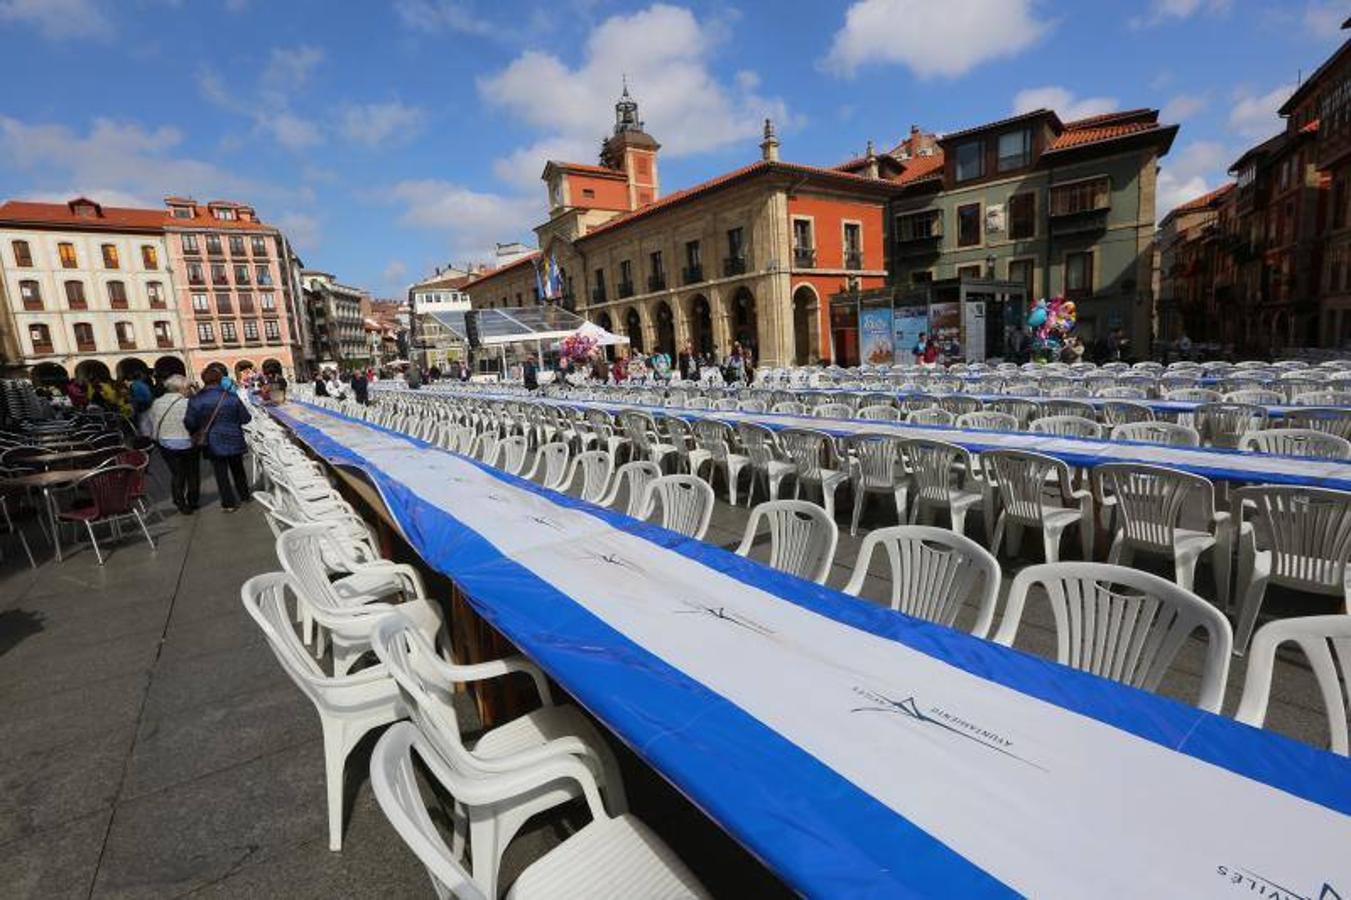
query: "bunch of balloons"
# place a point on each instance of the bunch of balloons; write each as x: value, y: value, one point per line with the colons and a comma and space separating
x: 1051, y: 322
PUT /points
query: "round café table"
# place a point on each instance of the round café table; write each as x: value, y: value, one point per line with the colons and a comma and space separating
x: 46, y: 482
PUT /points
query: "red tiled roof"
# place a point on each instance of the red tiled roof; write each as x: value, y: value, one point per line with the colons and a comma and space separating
x: 514, y: 264
x: 588, y: 169
x: 852, y: 165
x: 1204, y: 201
x: 919, y: 167
x: 754, y: 168
x: 1106, y: 118
x: 1078, y: 137
x: 60, y: 214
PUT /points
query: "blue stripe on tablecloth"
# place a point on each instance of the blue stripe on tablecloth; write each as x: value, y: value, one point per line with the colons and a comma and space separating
x: 822, y: 834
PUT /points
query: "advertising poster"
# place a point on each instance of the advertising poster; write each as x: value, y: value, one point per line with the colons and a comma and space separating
x: 910, y: 323
x: 945, y: 326
x: 875, y: 336
x: 975, y: 331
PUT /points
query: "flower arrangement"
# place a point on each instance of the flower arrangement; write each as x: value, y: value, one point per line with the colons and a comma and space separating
x: 577, y: 347
x: 1051, y: 322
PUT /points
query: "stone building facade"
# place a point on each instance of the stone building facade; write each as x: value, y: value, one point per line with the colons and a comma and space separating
x: 1190, y: 260
x: 336, y: 320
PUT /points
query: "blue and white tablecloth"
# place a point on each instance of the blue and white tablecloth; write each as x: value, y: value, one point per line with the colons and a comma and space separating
x: 856, y: 751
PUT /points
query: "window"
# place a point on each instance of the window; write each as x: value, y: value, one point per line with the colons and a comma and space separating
x: 970, y: 160
x: 625, y: 278
x: 1078, y: 274
x: 84, y: 336
x: 968, y: 271
x: 1022, y: 216
x: 853, y: 245
x: 921, y: 276
x: 182, y: 212
x: 968, y: 225
x: 919, y: 226
x: 1081, y: 196
x: 1015, y: 149
x: 109, y: 256
x: 1020, y: 270
x: 259, y: 245
x: 228, y: 334
x: 657, y: 267
x: 126, y: 335
x: 41, y: 337
x: 213, y: 244
x: 189, y: 243
x: 117, y: 295
x: 223, y: 306
x: 241, y: 274
x: 598, y: 292
x: 164, y: 334
x: 272, y: 330
x: 250, y: 330
x: 236, y: 245
x: 23, y: 255
x: 736, y: 243
x: 67, y: 251
x: 218, y: 274
x: 693, y: 255
x: 246, y: 304
x: 149, y: 257
x: 155, y: 291
x: 30, y: 295
x: 268, y: 301
x: 802, y: 234
x: 206, y: 333
x: 264, y: 274
x: 75, y: 295
x: 588, y: 193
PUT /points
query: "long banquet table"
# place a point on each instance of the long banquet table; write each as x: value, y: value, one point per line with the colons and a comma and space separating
x: 856, y: 751
x: 1218, y: 464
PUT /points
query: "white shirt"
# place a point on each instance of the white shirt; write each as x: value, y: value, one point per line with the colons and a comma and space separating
x: 166, y: 418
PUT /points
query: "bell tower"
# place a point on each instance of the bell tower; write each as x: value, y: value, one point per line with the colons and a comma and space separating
x: 633, y: 151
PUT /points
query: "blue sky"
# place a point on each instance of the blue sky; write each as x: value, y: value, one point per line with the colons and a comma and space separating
x: 389, y: 137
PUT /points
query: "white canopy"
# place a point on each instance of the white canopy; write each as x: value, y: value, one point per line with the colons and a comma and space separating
x: 602, y: 337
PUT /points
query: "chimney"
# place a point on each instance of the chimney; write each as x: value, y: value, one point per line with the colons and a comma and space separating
x: 769, y: 147
x: 871, y: 157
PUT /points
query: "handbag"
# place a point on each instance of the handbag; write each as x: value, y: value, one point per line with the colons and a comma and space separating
x: 200, y: 435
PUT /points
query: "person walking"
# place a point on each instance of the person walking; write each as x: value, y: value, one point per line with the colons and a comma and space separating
x: 530, y: 374
x: 166, y: 416
x: 361, y: 388
x: 215, y: 418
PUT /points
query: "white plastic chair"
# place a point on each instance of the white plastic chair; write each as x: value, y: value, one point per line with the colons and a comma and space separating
x: 1022, y: 480
x: 597, y: 468
x: 880, y: 413
x: 802, y: 538
x: 636, y: 476
x: 610, y: 857
x: 1222, y: 424
x: 1130, y: 635
x: 1327, y: 419
x: 1326, y: 644
x: 877, y: 469
x: 349, y: 706
x: 1151, y: 501
x: 1170, y: 434
x: 485, y: 448
x: 1298, y: 537
x: 988, y: 420
x: 768, y: 462
x: 716, y: 439
x: 1066, y: 426
x: 833, y: 411
x: 817, y: 461
x: 1119, y: 412
x: 686, y: 503
x: 554, y: 457
x: 933, y: 573
x: 512, y: 453
x: 1296, y: 442
x: 943, y: 476
x: 934, y: 416
x: 550, y: 738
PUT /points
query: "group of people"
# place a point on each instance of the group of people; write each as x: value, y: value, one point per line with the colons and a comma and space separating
x: 188, y: 423
x: 737, y: 367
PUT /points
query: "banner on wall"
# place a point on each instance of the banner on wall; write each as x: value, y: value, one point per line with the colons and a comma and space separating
x: 910, y: 323
x: 875, y: 336
x: 945, y: 326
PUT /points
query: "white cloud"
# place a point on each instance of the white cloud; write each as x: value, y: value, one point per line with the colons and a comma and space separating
x: 931, y: 39
x: 58, y: 20
x: 289, y: 130
x: 1183, y: 106
x: 434, y: 16
x: 1063, y: 101
x: 287, y: 73
x: 236, y: 6
x: 473, y: 220
x: 120, y: 163
x: 1188, y: 173
x: 1161, y: 11
x: 395, y: 270
x: 301, y: 228
x: 373, y: 124
x: 665, y: 52
x: 1254, y: 115
x: 289, y: 70
x: 1324, y: 20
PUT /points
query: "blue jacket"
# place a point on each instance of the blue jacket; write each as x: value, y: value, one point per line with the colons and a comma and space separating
x: 226, y: 438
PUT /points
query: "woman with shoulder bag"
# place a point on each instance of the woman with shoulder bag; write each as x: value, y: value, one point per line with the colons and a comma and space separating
x: 164, y: 420
x: 215, y: 418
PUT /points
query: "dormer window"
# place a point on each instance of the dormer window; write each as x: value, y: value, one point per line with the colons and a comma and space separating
x: 182, y: 212
x: 970, y: 160
x: 1015, y: 149
x: 224, y: 213
x: 85, y: 209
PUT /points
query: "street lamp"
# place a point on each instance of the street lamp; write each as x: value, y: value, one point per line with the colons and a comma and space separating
x: 989, y: 266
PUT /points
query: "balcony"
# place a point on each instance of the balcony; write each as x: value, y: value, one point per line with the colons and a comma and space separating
x: 734, y: 265
x: 853, y: 260
x: 656, y: 282
x: 598, y: 295
x: 164, y: 342
x: 117, y: 302
x: 625, y: 289
x: 692, y: 274
x: 804, y: 257
x: 42, y: 347
x: 126, y: 343
x: 85, y: 346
